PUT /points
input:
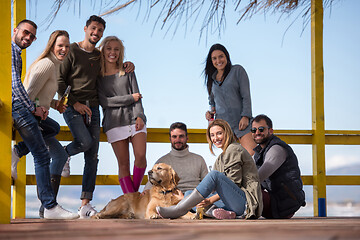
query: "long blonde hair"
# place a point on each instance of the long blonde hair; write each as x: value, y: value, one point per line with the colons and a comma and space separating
x: 228, y: 134
x: 49, y: 46
x: 119, y: 62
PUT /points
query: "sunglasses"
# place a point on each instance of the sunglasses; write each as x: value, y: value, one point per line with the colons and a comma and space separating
x: 27, y: 33
x: 261, y: 129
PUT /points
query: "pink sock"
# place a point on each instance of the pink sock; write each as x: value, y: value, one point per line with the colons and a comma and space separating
x: 138, y: 175
x: 126, y: 184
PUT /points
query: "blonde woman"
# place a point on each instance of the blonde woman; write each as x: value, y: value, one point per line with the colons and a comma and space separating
x: 41, y: 83
x: 124, y: 119
x: 234, y: 180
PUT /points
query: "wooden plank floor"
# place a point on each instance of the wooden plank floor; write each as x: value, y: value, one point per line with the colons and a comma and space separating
x: 296, y: 228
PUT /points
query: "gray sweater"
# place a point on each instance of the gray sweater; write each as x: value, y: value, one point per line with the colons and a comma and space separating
x: 190, y: 167
x: 232, y: 99
x: 115, y: 97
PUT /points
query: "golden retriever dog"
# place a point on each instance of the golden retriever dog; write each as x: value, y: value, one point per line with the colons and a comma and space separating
x: 143, y: 205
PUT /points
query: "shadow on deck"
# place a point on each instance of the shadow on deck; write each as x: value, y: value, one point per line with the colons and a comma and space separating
x: 296, y: 228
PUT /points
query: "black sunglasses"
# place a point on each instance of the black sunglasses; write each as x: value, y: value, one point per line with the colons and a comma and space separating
x: 261, y: 129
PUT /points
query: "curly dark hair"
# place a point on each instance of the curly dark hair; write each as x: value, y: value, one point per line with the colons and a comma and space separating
x: 94, y: 18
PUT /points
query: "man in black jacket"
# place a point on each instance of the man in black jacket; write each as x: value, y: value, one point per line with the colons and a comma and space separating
x: 278, y: 171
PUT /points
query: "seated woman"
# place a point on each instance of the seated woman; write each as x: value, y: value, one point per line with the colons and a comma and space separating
x: 234, y: 179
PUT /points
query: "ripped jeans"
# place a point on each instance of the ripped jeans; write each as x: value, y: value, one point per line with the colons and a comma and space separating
x: 86, y: 139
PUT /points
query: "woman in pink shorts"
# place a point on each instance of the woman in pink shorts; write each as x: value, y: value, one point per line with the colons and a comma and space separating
x: 124, y: 119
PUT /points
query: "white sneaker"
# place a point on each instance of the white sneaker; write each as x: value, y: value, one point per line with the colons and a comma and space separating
x: 66, y: 170
x: 14, y: 161
x: 58, y: 212
x: 87, y: 211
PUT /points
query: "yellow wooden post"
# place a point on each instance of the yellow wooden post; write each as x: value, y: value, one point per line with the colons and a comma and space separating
x: 317, y: 95
x: 5, y: 112
x: 19, y: 189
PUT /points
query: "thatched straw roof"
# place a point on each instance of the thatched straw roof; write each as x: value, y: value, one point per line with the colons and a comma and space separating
x: 173, y: 11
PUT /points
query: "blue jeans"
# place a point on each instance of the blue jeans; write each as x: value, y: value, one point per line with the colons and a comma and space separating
x: 233, y: 198
x: 28, y: 128
x: 86, y: 139
x: 50, y: 128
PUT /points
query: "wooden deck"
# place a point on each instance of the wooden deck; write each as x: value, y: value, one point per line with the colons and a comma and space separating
x: 296, y: 228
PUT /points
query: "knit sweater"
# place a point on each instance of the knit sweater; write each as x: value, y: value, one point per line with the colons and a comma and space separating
x: 41, y: 82
x: 115, y: 96
x: 80, y: 70
x: 231, y: 98
x: 237, y: 164
x: 190, y: 167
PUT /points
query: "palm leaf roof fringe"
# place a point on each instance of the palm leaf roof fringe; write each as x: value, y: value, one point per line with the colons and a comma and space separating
x: 173, y: 11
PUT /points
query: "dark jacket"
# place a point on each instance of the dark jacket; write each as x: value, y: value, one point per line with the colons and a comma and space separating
x: 284, y: 185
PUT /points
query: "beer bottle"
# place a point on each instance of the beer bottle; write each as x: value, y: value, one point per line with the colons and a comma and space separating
x: 64, y: 99
x: 87, y: 118
x: 37, y: 104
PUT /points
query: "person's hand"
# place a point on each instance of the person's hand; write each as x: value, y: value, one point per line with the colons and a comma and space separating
x: 136, y: 96
x: 179, y: 195
x: 41, y: 112
x: 60, y: 107
x: 244, y: 122
x: 129, y: 67
x: 139, y: 124
x: 204, y: 203
x: 82, y: 109
x: 209, y: 115
x: 46, y: 113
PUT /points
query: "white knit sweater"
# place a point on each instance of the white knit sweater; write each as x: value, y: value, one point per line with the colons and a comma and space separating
x: 190, y: 167
x: 41, y: 82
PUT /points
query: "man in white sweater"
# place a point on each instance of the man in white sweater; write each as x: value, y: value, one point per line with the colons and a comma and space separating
x: 190, y: 167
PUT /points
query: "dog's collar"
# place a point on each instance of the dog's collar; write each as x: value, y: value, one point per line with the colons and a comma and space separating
x: 167, y: 191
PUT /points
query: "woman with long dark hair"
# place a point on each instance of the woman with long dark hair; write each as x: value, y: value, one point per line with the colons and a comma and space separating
x: 229, y: 94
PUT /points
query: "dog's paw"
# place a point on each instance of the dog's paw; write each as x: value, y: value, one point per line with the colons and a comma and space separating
x: 190, y: 216
x: 96, y: 216
x: 130, y: 215
x: 155, y: 216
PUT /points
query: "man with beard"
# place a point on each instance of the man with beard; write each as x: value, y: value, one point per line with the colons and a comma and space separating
x: 80, y: 70
x: 190, y: 167
x: 279, y: 172
x: 24, y: 112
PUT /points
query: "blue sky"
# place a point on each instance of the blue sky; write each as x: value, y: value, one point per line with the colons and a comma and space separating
x: 277, y: 59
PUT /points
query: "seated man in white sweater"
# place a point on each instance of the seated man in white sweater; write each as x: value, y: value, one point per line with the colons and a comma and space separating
x: 190, y: 167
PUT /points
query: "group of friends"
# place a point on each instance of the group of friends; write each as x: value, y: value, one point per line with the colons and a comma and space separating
x: 257, y: 174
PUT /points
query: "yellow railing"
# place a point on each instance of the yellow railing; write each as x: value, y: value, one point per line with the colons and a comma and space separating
x: 161, y: 135
x: 318, y: 137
